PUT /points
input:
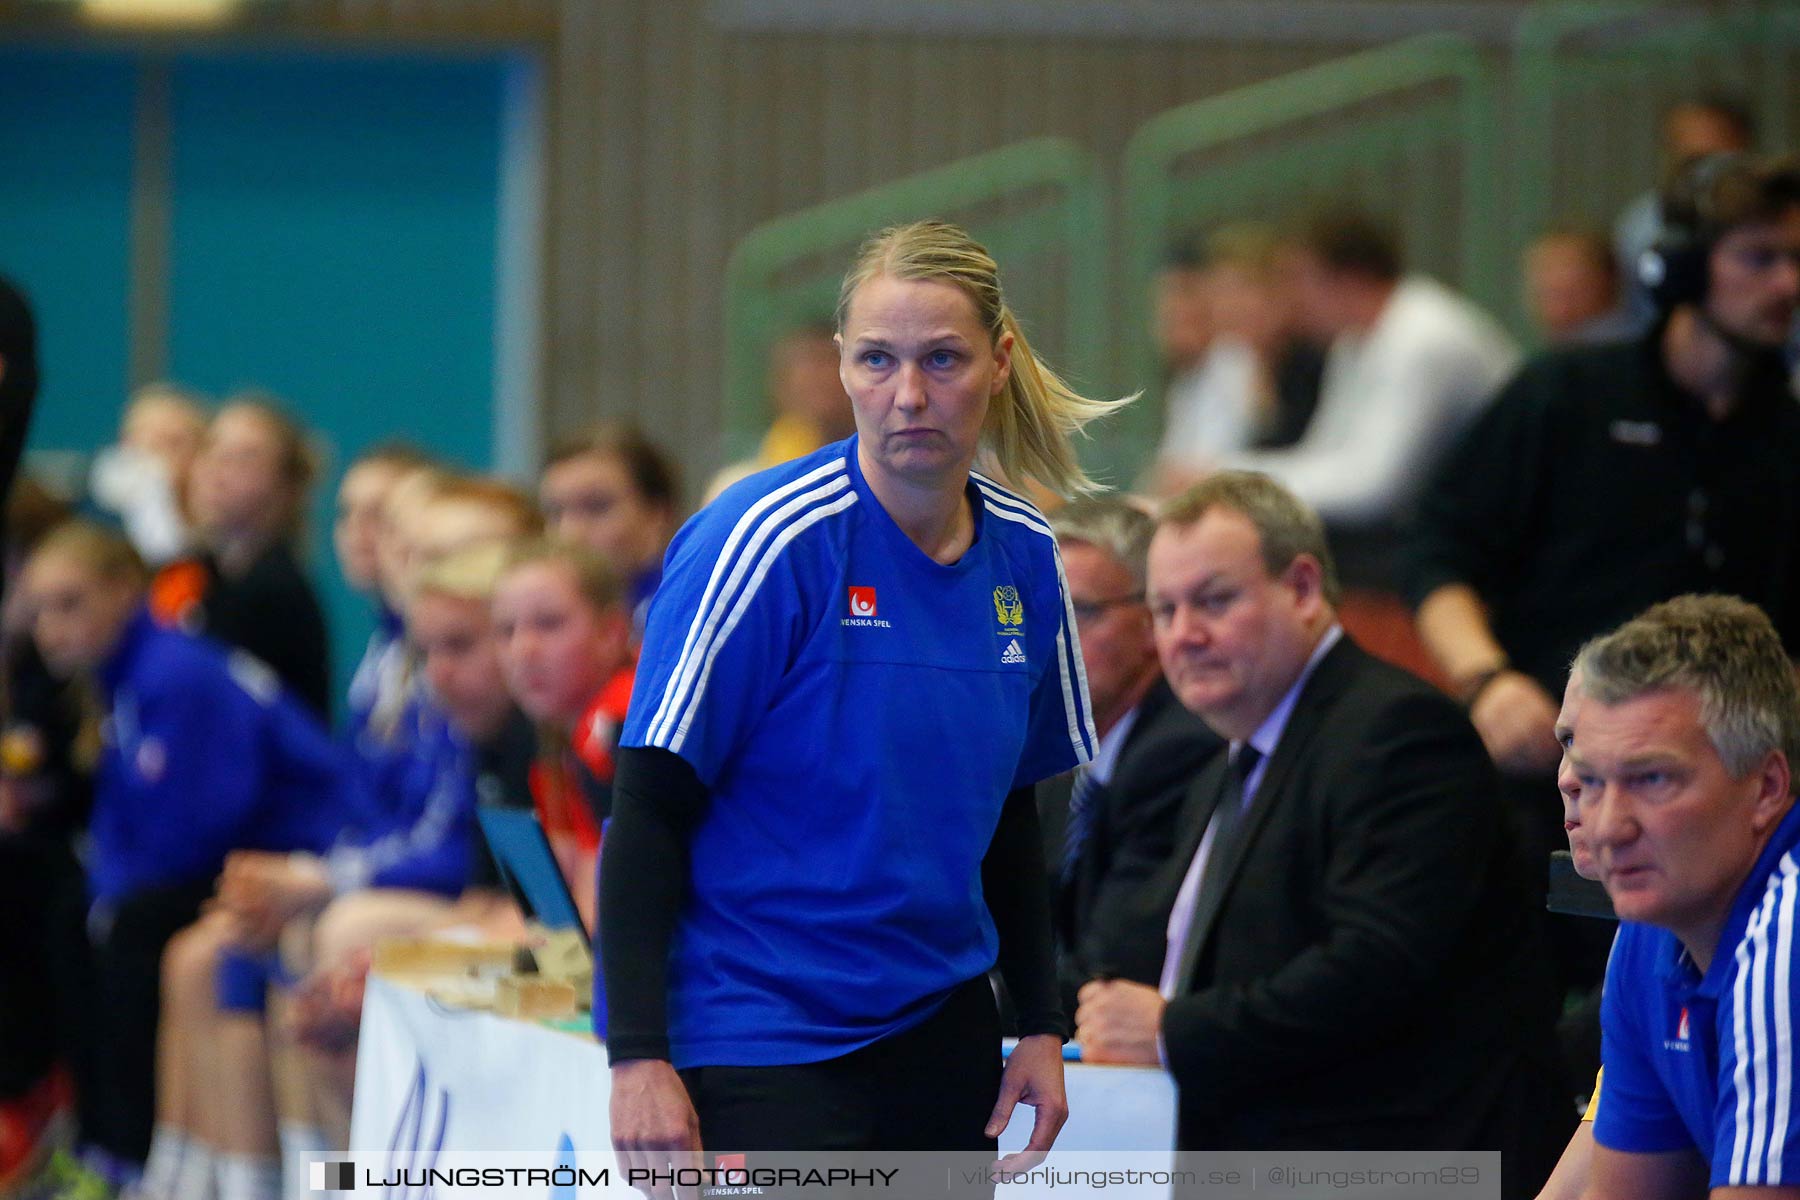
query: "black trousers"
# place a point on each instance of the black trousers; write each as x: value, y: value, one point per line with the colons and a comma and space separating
x: 41, y: 888
x: 931, y: 1087
x: 117, y: 1075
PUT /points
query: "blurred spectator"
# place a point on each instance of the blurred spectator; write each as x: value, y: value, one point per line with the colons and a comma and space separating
x: 40, y: 774
x: 1606, y: 478
x: 361, y: 504
x: 432, y: 726
x: 245, y: 588
x: 206, y: 753
x: 395, y: 875
x: 1181, y: 313
x: 1296, y: 358
x: 1409, y: 364
x: 614, y: 491
x: 44, y: 796
x: 1572, y: 287
x: 383, y: 692
x: 811, y: 407
x: 1691, y: 129
x: 1256, y: 382
x: 1182, y: 310
x: 453, y: 633
x: 454, y: 514
x: 144, y: 479
x: 451, y: 627
x: 1110, y: 826
x: 356, y: 537
x: 468, y: 511
x: 401, y: 513
x: 565, y: 642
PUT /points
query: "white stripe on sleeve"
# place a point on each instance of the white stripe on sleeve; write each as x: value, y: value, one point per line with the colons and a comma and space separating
x: 1784, y: 1019
x: 1740, y: 1050
x: 998, y: 497
x: 767, y: 560
x: 751, y: 527
x: 1759, y: 1039
x: 1072, y: 675
x: 1749, y: 1073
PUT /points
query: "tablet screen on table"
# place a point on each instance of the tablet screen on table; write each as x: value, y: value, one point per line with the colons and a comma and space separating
x: 528, y: 866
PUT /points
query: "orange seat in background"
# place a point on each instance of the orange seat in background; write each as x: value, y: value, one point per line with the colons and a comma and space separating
x: 1383, y: 625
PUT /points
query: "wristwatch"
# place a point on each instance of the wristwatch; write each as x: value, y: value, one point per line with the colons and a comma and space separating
x: 1478, y: 683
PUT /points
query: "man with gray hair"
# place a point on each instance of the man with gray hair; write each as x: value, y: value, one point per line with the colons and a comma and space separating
x: 1682, y: 748
x: 1110, y: 826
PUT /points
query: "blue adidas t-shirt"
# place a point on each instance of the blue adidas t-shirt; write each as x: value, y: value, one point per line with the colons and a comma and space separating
x: 1707, y: 1062
x: 859, y: 712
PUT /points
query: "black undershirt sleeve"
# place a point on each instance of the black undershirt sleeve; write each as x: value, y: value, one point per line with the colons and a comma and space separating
x: 1018, y: 896
x: 657, y: 803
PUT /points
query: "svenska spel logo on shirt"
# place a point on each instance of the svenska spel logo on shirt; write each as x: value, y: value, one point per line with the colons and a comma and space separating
x: 862, y: 610
x: 1679, y: 1043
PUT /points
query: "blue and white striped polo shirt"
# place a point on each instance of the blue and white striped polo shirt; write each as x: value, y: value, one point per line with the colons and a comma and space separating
x: 1708, y: 1062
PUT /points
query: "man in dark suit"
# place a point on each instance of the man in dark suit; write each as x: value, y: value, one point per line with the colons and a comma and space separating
x: 1110, y: 826
x: 1353, y: 958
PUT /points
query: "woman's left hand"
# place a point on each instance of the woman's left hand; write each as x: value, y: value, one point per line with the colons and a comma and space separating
x: 1034, y: 1076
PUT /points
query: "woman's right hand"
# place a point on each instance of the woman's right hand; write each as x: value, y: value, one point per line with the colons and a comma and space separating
x: 654, y: 1125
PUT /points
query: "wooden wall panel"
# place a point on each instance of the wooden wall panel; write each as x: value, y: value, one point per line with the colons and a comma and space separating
x: 672, y: 137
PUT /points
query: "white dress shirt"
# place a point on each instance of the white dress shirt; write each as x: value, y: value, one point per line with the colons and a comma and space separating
x: 1212, y: 408
x: 1106, y: 755
x: 1390, y: 403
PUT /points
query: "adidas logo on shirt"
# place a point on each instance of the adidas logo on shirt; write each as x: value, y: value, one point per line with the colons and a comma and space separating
x: 1013, y: 653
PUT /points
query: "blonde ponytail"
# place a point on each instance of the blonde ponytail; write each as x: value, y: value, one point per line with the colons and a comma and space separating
x: 1031, y: 432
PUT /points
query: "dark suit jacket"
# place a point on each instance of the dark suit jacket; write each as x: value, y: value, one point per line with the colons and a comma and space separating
x: 1111, y: 915
x: 1372, y: 977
